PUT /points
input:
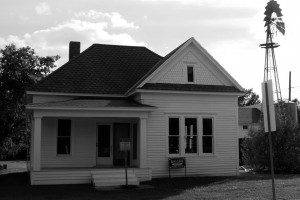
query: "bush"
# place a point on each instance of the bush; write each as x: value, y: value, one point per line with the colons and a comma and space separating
x: 286, y: 147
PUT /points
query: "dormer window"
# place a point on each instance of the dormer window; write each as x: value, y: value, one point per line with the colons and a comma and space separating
x: 190, y: 74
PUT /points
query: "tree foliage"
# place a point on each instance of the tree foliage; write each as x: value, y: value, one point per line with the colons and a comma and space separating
x: 249, y: 98
x: 286, y: 146
x: 20, y: 69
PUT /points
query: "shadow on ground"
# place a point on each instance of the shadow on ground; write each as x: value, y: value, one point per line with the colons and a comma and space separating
x: 17, y: 186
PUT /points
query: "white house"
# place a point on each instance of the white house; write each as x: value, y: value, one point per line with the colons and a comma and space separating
x: 180, y: 105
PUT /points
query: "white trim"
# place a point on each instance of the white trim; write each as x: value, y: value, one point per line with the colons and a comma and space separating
x: 187, y: 66
x: 74, y: 94
x: 37, y: 140
x: 187, y: 92
x: 213, y: 135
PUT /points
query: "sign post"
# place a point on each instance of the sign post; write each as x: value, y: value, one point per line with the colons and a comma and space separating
x: 125, y: 146
x: 269, y: 122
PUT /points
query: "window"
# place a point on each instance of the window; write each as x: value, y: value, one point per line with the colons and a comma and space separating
x: 245, y: 127
x: 191, y: 135
x: 207, y: 138
x: 173, y: 135
x: 63, y: 137
x: 190, y: 74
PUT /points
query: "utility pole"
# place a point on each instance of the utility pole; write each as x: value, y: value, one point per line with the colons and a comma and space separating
x: 290, y: 87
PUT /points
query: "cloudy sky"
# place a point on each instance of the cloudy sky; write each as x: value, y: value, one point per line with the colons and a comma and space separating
x: 230, y: 30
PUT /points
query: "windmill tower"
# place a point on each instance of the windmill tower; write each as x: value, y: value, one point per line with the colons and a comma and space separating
x: 274, y: 23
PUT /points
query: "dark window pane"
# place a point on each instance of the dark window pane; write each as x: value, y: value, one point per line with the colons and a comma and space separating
x: 63, y: 145
x: 134, y: 139
x: 207, y: 144
x: 190, y: 74
x: 207, y: 127
x: 173, y: 144
x: 64, y: 127
x: 245, y: 127
x: 173, y: 126
x: 191, y: 126
x: 104, y: 141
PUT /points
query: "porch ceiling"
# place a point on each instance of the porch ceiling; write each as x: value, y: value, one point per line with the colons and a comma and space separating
x: 92, y: 104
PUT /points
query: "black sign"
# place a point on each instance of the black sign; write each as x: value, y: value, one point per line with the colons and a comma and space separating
x: 176, y: 163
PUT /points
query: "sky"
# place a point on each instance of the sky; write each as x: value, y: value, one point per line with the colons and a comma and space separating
x: 230, y: 30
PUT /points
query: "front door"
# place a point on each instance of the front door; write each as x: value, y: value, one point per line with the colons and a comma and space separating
x: 121, y: 130
x: 105, y: 147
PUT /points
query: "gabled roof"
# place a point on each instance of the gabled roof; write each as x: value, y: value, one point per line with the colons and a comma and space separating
x: 109, y: 70
x: 176, y: 52
x: 101, y: 69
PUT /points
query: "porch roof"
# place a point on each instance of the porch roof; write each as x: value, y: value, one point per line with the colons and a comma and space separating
x: 93, y: 104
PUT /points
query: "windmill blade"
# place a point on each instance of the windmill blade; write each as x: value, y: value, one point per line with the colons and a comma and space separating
x: 281, y: 27
x: 271, y: 7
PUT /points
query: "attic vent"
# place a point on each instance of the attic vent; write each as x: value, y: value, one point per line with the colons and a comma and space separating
x: 74, y: 49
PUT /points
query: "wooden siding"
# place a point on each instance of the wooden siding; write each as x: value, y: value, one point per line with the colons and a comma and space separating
x: 178, y: 72
x: 77, y: 176
x: 224, y: 161
x: 83, y: 144
x: 205, y: 70
x: 83, y: 141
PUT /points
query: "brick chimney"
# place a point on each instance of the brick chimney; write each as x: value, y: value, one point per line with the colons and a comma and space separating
x: 74, y: 49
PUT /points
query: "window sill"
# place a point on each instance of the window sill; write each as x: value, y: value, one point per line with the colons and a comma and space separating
x: 191, y: 155
x: 63, y: 155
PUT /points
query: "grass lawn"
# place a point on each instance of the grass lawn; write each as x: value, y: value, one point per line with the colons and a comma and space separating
x: 247, y: 186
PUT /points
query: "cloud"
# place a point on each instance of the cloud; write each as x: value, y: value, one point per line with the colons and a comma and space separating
x: 43, y: 9
x: 19, y: 42
x: 215, y: 3
x: 86, y: 27
x: 114, y: 19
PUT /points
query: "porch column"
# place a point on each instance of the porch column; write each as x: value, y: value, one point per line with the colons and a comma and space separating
x: 37, y: 129
x: 143, y: 143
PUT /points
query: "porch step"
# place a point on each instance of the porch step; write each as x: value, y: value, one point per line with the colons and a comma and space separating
x: 113, y: 177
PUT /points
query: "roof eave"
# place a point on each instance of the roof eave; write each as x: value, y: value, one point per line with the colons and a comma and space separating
x: 142, y: 109
x: 75, y: 94
x: 186, y: 92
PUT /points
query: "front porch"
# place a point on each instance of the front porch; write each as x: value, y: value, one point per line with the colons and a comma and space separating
x: 70, y: 142
x: 53, y: 176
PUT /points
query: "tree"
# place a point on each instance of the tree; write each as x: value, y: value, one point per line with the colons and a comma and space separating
x: 20, y: 69
x: 249, y: 98
x: 286, y: 146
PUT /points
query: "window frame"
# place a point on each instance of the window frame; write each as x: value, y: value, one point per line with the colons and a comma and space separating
x: 213, y: 136
x: 197, y: 135
x: 182, y: 141
x: 193, y: 73
x: 168, y: 136
x: 57, y: 136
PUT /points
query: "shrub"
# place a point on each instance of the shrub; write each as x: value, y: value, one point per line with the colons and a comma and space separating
x: 286, y: 147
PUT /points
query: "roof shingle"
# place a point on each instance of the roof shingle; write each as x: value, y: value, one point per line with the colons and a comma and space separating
x: 101, y: 69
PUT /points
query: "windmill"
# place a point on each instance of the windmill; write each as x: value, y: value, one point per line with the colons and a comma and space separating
x: 274, y: 23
